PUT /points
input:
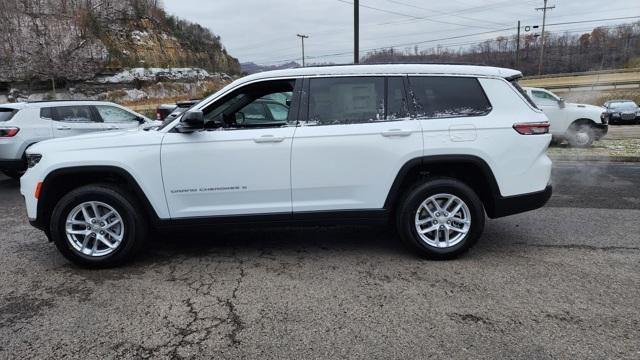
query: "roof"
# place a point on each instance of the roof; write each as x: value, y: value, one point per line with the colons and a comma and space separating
x: 388, y: 69
x: 38, y: 104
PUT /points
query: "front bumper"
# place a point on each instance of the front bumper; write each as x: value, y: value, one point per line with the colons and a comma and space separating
x: 600, y: 130
x: 511, y: 205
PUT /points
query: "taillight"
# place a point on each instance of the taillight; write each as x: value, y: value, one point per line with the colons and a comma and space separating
x: 9, y: 132
x: 534, y: 128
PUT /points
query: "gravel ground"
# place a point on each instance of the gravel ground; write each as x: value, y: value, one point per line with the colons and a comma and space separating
x: 559, y: 282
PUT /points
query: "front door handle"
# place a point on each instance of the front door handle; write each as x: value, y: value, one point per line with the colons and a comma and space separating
x: 268, y: 139
x: 113, y: 127
x: 62, y: 127
x: 396, y: 132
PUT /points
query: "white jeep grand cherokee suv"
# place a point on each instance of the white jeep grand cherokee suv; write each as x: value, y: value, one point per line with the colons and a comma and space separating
x: 24, y: 124
x: 579, y: 124
x: 433, y: 147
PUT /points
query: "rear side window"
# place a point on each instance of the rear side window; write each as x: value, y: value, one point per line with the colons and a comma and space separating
x: 80, y: 114
x: 7, y: 114
x: 444, y: 97
x: 356, y: 100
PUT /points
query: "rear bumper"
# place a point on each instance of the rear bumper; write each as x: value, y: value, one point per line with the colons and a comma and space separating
x: 12, y: 164
x: 505, y: 206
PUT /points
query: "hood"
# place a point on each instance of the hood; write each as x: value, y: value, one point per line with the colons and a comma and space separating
x: 99, y: 140
x: 586, y: 107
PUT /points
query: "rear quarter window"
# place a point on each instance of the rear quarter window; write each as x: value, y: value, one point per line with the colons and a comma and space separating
x: 448, y: 96
x: 7, y: 114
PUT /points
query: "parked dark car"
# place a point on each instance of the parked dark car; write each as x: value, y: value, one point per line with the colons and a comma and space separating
x: 621, y: 111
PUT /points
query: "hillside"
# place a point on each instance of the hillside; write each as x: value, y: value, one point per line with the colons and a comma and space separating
x: 77, y: 39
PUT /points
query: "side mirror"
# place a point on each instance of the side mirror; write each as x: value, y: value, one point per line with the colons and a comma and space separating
x: 191, y: 121
x: 240, y: 117
x: 561, y: 103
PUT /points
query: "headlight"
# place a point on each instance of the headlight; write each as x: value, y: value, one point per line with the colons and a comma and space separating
x: 33, y: 159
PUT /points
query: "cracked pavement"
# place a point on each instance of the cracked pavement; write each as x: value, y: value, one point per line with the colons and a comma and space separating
x: 559, y: 282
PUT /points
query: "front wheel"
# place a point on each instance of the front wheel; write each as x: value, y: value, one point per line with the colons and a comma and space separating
x: 441, y: 218
x: 98, y: 226
x: 581, y: 136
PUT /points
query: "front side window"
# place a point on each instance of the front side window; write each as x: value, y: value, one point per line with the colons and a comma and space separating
x: 112, y: 114
x: 248, y: 106
x: 278, y: 111
x: 543, y: 97
x: 73, y: 114
x: 445, y: 97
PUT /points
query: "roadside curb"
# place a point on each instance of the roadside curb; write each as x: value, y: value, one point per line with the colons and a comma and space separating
x: 595, y: 158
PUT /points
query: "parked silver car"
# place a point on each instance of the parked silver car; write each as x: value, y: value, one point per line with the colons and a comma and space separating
x: 24, y: 124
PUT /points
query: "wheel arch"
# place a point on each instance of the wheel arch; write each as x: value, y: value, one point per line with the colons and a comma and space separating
x: 582, y: 121
x: 470, y: 169
x: 60, y: 181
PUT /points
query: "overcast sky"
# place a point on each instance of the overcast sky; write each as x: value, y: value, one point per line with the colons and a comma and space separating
x: 264, y: 31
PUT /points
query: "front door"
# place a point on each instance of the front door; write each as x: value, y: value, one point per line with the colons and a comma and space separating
x: 550, y: 105
x: 349, y: 148
x: 240, y: 163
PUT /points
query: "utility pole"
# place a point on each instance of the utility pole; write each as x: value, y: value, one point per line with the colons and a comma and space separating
x: 544, y: 20
x: 518, y: 47
x: 302, y: 37
x: 356, y: 31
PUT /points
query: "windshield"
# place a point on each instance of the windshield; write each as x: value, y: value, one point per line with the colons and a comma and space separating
x: 7, y: 114
x: 627, y: 105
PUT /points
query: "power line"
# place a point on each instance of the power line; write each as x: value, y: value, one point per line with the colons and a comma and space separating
x: 444, y: 13
x: 413, y: 17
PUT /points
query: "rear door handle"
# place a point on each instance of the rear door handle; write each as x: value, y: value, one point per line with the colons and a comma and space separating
x: 63, y: 128
x: 268, y: 139
x: 396, y: 132
x: 113, y: 127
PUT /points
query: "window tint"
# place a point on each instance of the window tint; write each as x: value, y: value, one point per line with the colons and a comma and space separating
x: 442, y: 97
x: 397, y: 104
x: 7, y: 114
x: 112, y: 114
x: 46, y: 113
x: 245, y: 108
x: 348, y: 100
x: 72, y: 114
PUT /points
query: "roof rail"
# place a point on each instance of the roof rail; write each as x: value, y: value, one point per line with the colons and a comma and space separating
x: 47, y: 101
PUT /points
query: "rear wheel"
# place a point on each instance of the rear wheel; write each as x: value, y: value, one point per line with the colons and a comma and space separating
x: 581, y: 135
x: 441, y: 218
x: 98, y: 226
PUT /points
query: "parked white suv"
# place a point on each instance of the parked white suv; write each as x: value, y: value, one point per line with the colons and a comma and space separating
x: 24, y: 124
x: 433, y: 147
x: 579, y: 124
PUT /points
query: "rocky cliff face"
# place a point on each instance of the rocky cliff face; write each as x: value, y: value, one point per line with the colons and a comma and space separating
x: 77, y: 39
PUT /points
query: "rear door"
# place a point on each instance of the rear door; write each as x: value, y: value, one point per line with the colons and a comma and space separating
x: 355, y: 136
x: 70, y: 120
x: 452, y: 110
x: 116, y: 118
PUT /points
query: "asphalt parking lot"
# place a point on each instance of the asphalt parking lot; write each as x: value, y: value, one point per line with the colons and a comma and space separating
x: 559, y: 282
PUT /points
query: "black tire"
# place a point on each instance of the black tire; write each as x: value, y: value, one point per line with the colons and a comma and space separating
x: 135, y: 224
x: 581, y: 135
x: 409, y: 206
x: 14, y: 174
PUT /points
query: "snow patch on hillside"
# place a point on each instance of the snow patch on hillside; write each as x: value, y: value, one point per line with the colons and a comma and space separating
x: 158, y: 74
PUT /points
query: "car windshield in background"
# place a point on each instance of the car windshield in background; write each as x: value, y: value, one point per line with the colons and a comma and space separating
x: 6, y: 114
x: 627, y: 105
